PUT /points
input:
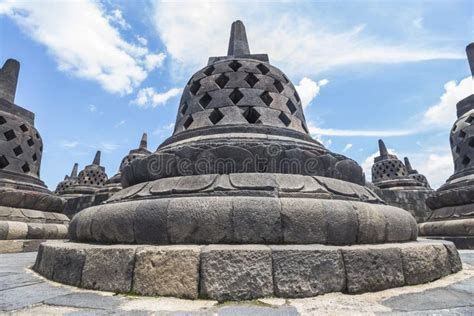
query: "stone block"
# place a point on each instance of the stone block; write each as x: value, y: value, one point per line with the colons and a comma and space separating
x: 151, y: 217
x: 372, y: 269
x: 167, y: 271
x: 257, y: 220
x: 35, y: 231
x: 304, y: 221
x: 3, y: 230
x: 246, y: 269
x: 419, y: 264
x: 44, y: 263
x: 371, y: 224
x: 50, y: 231
x: 342, y: 222
x: 32, y: 245
x: 453, y: 257
x: 441, y: 263
x: 82, y: 223
x: 304, y: 271
x: 68, y: 265
x: 399, y: 224
x: 11, y: 246
x: 200, y: 220
x: 17, y: 230
x: 109, y: 268
x: 113, y: 223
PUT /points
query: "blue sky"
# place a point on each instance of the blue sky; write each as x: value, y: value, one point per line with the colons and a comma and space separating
x: 98, y: 74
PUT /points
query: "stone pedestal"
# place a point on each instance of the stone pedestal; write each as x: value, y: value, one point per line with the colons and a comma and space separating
x: 28, y: 210
x: 399, y: 185
x: 241, y: 203
x: 453, y: 203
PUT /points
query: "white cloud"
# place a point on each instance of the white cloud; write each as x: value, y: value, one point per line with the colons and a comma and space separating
x: 148, y: 97
x: 108, y: 147
x: 116, y: 16
x: 443, y: 113
x: 309, y: 89
x: 120, y: 123
x: 310, y: 45
x: 80, y: 37
x: 153, y: 61
x: 142, y: 40
x: 69, y: 144
x: 92, y: 108
x: 347, y: 147
x: 418, y: 23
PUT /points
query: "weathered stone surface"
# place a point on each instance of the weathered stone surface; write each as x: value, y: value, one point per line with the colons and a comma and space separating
x: 401, y: 226
x: 304, y: 271
x: 151, y: 218
x: 68, y: 265
x: 114, y: 224
x: 44, y: 264
x: 11, y: 246
x: 32, y: 245
x: 81, y: 224
x: 342, y: 223
x: 200, y: 220
x: 371, y: 269
x: 453, y: 257
x: 109, y: 268
x: 421, y: 264
x: 371, y: 224
x: 256, y: 220
x: 304, y: 221
x: 247, y: 271
x: 3, y: 230
x: 167, y: 271
x: 17, y: 230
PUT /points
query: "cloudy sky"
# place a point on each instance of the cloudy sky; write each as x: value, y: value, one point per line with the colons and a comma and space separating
x: 99, y: 73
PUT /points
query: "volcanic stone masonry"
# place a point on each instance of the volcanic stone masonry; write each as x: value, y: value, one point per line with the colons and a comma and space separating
x: 399, y: 184
x: 92, y: 186
x: 29, y: 212
x: 453, y: 203
x: 262, y: 208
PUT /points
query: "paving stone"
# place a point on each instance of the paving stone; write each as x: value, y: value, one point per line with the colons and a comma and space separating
x: 257, y: 220
x: 86, y: 300
x: 167, y: 271
x: 15, y: 280
x: 247, y: 270
x: 109, y: 268
x: 304, y: 271
x: 371, y: 269
x: 25, y: 296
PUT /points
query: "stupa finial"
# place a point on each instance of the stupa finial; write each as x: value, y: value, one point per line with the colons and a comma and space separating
x: 408, y: 164
x: 74, y: 171
x: 96, y: 158
x: 9, y: 79
x: 470, y: 57
x: 382, y: 148
x: 144, y: 141
x: 238, y: 44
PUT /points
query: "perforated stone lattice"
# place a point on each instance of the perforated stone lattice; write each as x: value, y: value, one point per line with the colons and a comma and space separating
x: 388, y: 169
x: 90, y: 176
x: 244, y: 92
x: 21, y: 146
x: 462, y: 142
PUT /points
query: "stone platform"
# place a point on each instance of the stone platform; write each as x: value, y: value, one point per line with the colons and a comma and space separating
x: 23, y: 292
x: 245, y: 272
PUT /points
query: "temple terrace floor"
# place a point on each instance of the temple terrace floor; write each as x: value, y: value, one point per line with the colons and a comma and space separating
x: 23, y: 292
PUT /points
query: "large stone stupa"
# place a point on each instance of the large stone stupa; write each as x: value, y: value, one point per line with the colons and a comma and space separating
x: 399, y: 184
x: 240, y: 203
x: 29, y: 212
x: 453, y: 203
